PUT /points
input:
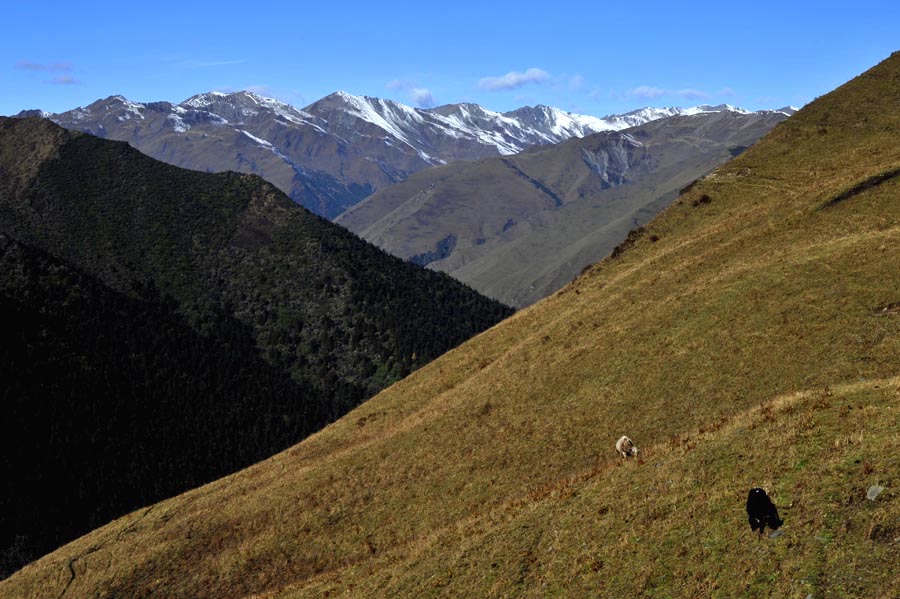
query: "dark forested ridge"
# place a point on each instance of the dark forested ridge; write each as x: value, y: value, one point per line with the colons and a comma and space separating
x: 163, y: 327
x: 111, y: 401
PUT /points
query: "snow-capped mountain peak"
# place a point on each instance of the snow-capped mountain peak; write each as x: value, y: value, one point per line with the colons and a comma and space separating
x: 242, y: 105
x: 350, y: 145
x: 435, y: 135
x: 703, y: 108
x: 390, y: 123
x: 557, y: 124
x: 203, y: 100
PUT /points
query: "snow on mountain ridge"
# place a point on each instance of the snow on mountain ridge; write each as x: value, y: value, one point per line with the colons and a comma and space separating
x: 400, y: 121
x: 474, y: 122
x: 400, y: 138
x: 718, y: 108
x: 202, y: 100
x: 420, y: 129
x: 178, y: 123
x: 131, y: 109
x: 277, y: 106
x: 243, y: 105
x: 506, y: 133
x: 556, y: 124
x: 342, y: 147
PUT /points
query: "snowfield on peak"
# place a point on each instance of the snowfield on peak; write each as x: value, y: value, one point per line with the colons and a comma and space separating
x: 433, y: 136
x: 203, y: 100
x: 423, y: 130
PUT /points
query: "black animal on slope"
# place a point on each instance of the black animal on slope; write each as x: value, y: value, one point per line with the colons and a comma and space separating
x: 761, y: 511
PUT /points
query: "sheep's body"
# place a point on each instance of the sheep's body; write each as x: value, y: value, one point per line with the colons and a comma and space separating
x: 626, y: 447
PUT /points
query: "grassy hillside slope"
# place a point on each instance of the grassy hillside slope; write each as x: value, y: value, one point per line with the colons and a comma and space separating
x: 750, y: 336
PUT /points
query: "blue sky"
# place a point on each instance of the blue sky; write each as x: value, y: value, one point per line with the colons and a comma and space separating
x: 590, y: 57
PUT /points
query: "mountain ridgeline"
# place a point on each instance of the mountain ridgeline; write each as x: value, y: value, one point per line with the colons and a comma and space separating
x: 166, y: 327
x: 339, y: 149
x: 750, y: 337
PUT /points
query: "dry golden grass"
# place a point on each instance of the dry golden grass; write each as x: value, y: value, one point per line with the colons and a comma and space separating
x: 672, y: 524
x: 747, y: 345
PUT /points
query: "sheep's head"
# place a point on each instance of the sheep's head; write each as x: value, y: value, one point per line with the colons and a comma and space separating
x: 634, y: 451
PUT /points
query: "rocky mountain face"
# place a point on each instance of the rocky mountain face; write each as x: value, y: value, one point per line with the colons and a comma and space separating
x: 241, y: 132
x: 163, y: 327
x: 337, y: 151
x: 519, y: 227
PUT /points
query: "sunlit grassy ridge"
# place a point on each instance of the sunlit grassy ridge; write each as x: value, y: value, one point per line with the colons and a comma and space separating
x: 746, y: 338
x: 673, y: 525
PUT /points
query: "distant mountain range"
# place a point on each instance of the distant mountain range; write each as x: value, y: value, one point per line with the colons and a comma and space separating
x: 519, y: 227
x: 163, y: 327
x: 338, y: 150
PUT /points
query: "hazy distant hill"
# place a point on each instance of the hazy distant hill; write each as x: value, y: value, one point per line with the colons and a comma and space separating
x: 755, y: 342
x: 335, y: 152
x: 518, y: 228
x: 167, y: 326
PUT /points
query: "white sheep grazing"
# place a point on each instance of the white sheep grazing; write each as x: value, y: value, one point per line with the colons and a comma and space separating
x: 626, y: 447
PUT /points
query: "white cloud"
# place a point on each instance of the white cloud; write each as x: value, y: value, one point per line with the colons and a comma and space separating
x: 647, y: 91
x: 36, y: 66
x: 30, y: 66
x: 299, y: 99
x: 691, y: 94
x: 56, y: 67
x: 200, y: 64
x: 422, y: 97
x: 651, y: 92
x: 513, y: 80
x: 260, y: 90
x: 576, y: 82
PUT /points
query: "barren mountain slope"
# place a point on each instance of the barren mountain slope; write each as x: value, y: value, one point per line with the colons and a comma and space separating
x: 518, y: 228
x: 339, y: 149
